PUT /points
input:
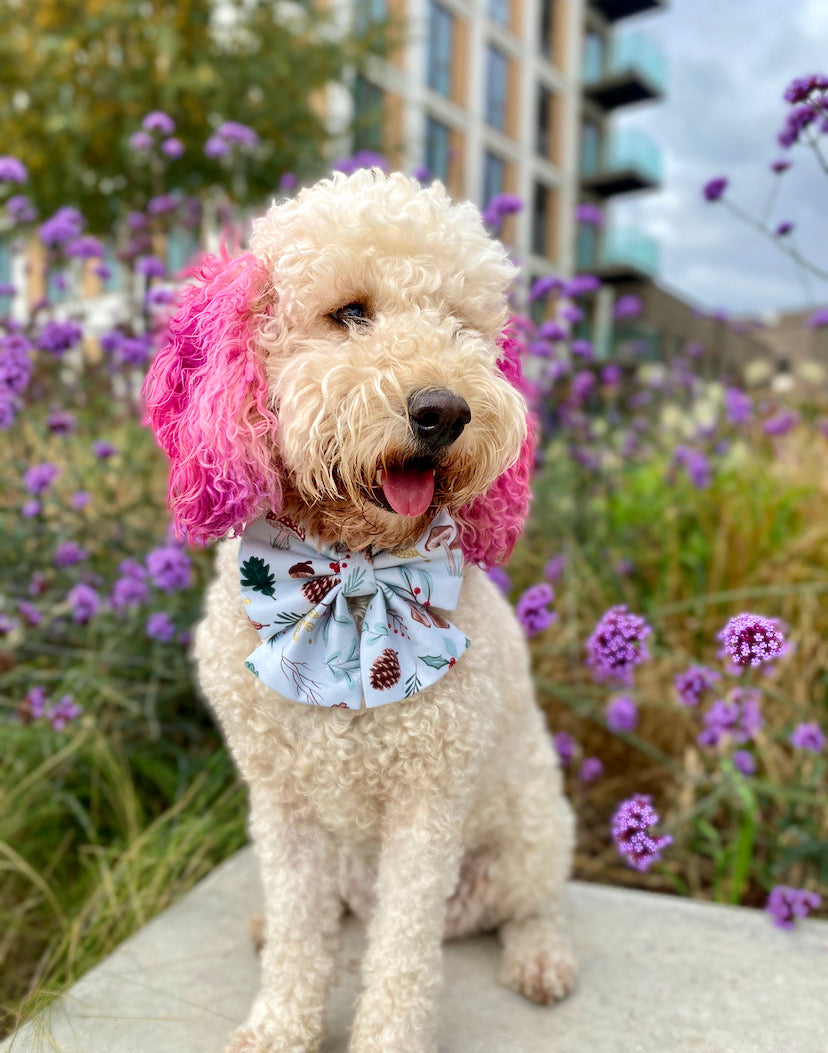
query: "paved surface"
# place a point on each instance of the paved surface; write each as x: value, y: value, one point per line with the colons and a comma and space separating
x: 659, y: 975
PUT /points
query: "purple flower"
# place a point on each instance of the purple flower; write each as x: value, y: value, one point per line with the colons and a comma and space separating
x: 59, y: 337
x: 542, y: 287
x: 751, y: 639
x: 127, y: 593
x: 40, y: 477
x: 151, y: 267
x: 590, y: 770
x: 499, y: 576
x: 795, y: 123
x: 780, y: 166
x: 628, y: 306
x: 34, y: 705
x: 80, y: 499
x: 714, y: 189
x: 738, y: 406
x: 801, y: 87
x: 169, y: 568
x: 780, y: 423
x: 163, y: 203
x: 86, y: 247
x: 532, y: 609
x: 68, y: 553
x: 238, y: 134
x: 61, y: 422
x: 695, y: 464
x: 29, y: 613
x: 621, y: 714
x: 744, y: 761
x: 590, y: 214
x: 564, y: 746
x: 160, y: 627
x: 581, y: 285
x: 632, y: 832
x: 611, y: 375
x: 289, y: 180
x: 787, y: 904
x: 15, y: 363
x: 20, y: 210
x: 693, y: 682
x: 808, y: 736
x: 103, y: 450
x: 617, y: 645
x: 504, y: 205
x: 158, y: 121
x: 783, y: 229
x: 173, y: 148
x: 31, y: 509
x: 7, y: 624
x: 62, y: 712
x: 215, y: 147
x: 732, y: 720
x: 12, y: 170
x: 554, y: 567
x: 65, y: 225
x: 84, y: 602
x: 819, y: 318
x: 582, y: 349
x: 141, y: 141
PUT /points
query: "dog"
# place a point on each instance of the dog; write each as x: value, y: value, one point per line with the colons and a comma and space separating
x: 342, y: 399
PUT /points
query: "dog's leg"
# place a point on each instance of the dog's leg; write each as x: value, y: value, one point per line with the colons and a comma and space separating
x: 418, y: 865
x: 302, y: 909
x: 538, y: 958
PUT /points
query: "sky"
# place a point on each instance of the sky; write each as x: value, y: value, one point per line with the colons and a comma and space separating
x: 729, y: 62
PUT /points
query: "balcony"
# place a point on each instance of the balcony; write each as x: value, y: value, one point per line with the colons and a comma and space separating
x: 627, y: 161
x: 627, y: 254
x: 614, y: 10
x: 634, y: 71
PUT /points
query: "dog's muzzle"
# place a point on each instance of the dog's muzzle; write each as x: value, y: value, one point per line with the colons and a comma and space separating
x: 437, y: 418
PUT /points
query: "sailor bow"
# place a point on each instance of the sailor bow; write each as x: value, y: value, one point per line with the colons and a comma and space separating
x: 296, y: 593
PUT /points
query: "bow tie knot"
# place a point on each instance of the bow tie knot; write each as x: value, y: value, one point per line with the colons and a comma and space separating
x: 296, y: 595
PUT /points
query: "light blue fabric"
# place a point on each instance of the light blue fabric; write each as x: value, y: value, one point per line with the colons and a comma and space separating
x: 295, y: 593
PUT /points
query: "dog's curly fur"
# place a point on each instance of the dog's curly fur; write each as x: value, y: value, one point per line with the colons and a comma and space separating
x: 441, y: 815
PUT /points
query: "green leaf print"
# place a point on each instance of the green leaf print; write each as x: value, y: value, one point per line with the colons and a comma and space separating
x: 257, y: 575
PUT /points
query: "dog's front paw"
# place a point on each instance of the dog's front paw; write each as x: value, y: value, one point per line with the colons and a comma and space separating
x: 538, y: 960
x: 260, y: 1040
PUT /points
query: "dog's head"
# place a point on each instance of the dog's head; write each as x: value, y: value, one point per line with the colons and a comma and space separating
x: 345, y: 370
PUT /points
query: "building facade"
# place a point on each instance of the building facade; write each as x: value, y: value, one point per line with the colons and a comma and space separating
x: 484, y: 95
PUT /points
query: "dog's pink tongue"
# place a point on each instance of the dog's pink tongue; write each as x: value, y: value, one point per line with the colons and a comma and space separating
x: 409, y: 491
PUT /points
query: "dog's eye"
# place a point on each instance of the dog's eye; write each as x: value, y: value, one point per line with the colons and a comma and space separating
x: 355, y: 313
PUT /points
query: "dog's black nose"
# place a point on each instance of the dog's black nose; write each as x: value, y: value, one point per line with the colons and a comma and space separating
x: 437, y: 417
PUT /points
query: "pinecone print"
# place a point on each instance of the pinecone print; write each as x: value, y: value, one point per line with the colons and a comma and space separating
x: 385, y: 672
x: 316, y: 589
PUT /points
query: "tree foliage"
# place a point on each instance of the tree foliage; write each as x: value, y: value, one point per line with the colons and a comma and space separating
x: 77, y: 77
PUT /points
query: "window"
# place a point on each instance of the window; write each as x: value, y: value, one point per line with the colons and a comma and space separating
x: 494, y: 173
x: 499, y: 11
x: 437, y: 149
x: 497, y: 72
x: 586, y: 248
x: 5, y: 274
x: 593, y: 56
x: 439, y: 48
x: 546, y: 28
x: 368, y: 13
x: 367, y: 115
x: 543, y: 129
x: 541, y: 216
x: 590, y: 148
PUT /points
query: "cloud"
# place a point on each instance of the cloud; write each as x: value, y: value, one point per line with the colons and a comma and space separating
x: 728, y: 67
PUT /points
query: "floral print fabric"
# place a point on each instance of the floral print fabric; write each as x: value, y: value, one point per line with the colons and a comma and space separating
x: 296, y: 592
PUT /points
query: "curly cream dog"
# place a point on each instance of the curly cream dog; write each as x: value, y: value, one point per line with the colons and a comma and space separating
x: 340, y: 383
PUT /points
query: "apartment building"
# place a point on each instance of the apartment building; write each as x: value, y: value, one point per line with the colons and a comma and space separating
x: 485, y: 95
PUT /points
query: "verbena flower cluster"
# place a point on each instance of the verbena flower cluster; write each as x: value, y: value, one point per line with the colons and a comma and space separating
x: 632, y: 832
x: 786, y: 904
x: 751, y: 639
x: 618, y: 644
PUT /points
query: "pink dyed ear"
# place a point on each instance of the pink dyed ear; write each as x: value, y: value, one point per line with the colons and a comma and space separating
x: 492, y: 523
x: 207, y: 402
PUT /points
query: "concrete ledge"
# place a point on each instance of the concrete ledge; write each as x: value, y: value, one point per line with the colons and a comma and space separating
x: 658, y: 975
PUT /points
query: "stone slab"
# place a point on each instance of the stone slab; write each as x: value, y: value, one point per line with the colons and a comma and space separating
x: 659, y: 974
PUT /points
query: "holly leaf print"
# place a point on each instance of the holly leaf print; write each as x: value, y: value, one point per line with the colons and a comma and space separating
x: 434, y: 661
x: 257, y: 575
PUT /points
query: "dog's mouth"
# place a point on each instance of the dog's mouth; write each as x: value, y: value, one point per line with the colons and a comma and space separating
x: 406, y: 488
